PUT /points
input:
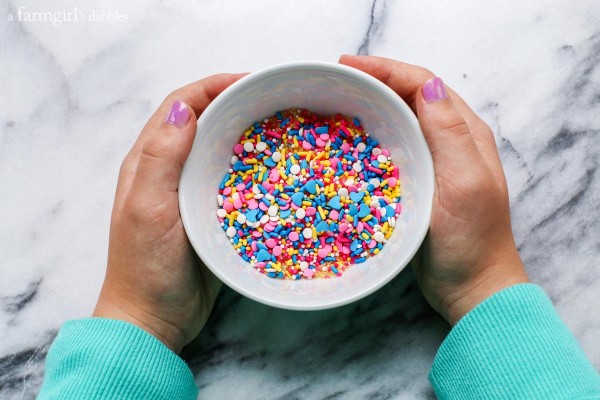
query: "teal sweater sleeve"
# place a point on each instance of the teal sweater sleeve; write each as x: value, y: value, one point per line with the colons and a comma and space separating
x: 97, y: 358
x: 513, y: 346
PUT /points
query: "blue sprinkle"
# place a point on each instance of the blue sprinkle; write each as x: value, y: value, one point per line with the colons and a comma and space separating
x: 329, y: 258
x: 263, y: 255
x: 293, y: 132
x: 389, y: 211
x: 251, y: 215
x: 342, y: 134
x: 311, y: 187
x: 357, y: 196
x: 270, y: 163
x: 284, y: 122
x: 265, y: 202
x: 334, y: 202
x: 364, y: 210
x: 322, y: 226
x: 258, y: 130
x: 271, y: 275
x: 356, y: 121
x: 286, y: 213
x: 262, y: 189
x: 334, y: 269
x: 360, y: 260
x: 278, y: 114
x: 352, y: 209
x: 354, y: 245
x: 322, y: 129
x: 261, y: 246
x: 297, y: 198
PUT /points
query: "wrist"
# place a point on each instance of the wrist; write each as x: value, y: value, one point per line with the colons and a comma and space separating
x: 110, y: 307
x: 492, y: 279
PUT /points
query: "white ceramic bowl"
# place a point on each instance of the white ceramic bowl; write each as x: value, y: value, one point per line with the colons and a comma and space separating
x: 325, y: 89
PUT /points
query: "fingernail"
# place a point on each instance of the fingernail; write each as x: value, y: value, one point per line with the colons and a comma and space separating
x: 434, y: 90
x: 179, y: 114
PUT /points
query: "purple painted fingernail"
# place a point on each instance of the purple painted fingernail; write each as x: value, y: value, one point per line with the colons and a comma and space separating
x: 179, y: 114
x: 434, y: 90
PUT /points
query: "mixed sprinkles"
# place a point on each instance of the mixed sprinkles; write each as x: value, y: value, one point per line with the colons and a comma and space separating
x: 308, y: 196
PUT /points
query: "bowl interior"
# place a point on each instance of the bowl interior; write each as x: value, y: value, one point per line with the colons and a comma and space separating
x: 324, y: 89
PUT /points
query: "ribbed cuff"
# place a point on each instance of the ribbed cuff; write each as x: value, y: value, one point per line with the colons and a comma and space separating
x: 97, y: 358
x: 513, y: 346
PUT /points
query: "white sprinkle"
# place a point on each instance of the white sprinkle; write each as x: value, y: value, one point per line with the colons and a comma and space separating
x: 276, y: 156
x: 235, y: 196
x: 234, y: 159
x: 300, y: 213
x: 376, y: 227
x: 378, y: 236
x: 364, y: 186
x: 361, y: 147
x: 241, y: 218
x: 357, y: 167
x: 269, y: 196
x: 219, y: 200
x: 303, y: 265
x: 349, y: 182
x: 307, y: 233
x: 381, y: 159
x: 221, y: 213
x: 274, y: 218
x: 383, y: 211
x: 255, y: 189
x: 374, y: 203
x: 295, y: 169
x: 261, y: 146
x: 231, y: 231
x: 392, y: 222
x: 264, y: 219
x: 376, y: 151
x: 343, y: 192
x: 273, y: 210
x: 375, y: 182
x: 248, y: 146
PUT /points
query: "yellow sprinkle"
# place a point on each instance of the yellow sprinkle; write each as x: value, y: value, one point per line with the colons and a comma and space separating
x: 376, y: 251
x: 260, y: 176
x: 284, y: 196
x: 349, y: 217
x: 249, y: 195
x: 300, y: 119
x: 314, y: 236
x: 322, y: 212
x: 388, y: 234
x: 251, y: 161
x: 307, y: 203
x: 384, y: 227
x: 247, y: 133
x: 247, y: 140
x: 368, y: 217
x: 384, y: 182
x: 326, y: 163
x: 365, y: 235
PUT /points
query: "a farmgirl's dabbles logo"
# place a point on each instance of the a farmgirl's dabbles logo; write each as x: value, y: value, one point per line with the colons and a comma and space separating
x: 66, y: 15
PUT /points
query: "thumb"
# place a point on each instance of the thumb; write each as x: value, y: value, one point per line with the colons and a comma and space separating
x: 446, y: 131
x: 165, y: 150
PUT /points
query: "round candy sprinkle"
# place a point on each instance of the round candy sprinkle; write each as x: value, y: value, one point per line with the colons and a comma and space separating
x: 308, y: 196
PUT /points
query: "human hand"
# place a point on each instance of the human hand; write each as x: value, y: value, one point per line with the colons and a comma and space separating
x: 469, y: 253
x: 154, y: 279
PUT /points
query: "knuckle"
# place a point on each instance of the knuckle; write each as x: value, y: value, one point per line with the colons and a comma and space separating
x: 456, y: 127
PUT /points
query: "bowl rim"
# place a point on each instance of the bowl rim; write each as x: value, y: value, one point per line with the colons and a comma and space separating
x: 339, y: 69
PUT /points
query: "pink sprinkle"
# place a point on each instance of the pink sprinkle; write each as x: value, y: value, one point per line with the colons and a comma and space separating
x: 368, y: 227
x: 253, y: 245
x: 352, y: 188
x: 377, y: 214
x: 277, y: 251
x: 240, y: 186
x: 274, y: 134
x: 334, y: 162
x: 359, y: 227
x: 269, y: 228
x: 256, y: 234
x: 228, y: 206
x: 260, y: 265
x: 320, y: 143
x: 263, y: 206
x: 343, y: 226
x: 306, y: 145
x: 385, y: 152
x: 372, y: 244
x: 345, y: 147
x: 346, y: 250
x: 274, y: 176
x: 227, y: 191
x: 271, y: 243
x: 398, y: 208
x: 252, y: 204
x: 396, y: 173
x: 238, y: 148
x: 237, y: 204
x: 324, y: 137
x: 373, y: 169
x: 392, y: 182
x: 294, y: 236
x: 308, y: 273
x: 323, y: 251
x: 283, y: 208
x: 310, y: 211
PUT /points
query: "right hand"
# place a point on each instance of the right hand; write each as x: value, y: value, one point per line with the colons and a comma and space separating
x: 469, y: 253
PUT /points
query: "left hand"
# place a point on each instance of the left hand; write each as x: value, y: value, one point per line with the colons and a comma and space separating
x: 154, y: 279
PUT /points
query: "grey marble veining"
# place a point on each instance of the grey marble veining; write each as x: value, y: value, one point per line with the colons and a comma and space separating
x: 75, y: 96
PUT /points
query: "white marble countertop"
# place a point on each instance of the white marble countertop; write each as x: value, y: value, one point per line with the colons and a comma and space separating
x: 74, y: 97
